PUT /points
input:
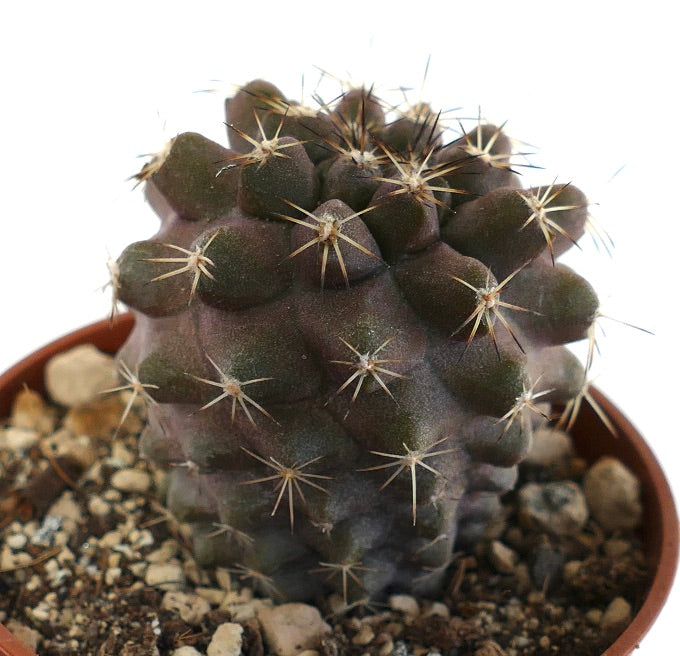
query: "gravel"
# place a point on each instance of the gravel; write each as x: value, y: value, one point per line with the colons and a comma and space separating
x: 91, y: 563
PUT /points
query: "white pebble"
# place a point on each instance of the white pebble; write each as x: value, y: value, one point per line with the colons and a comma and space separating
x: 213, y: 596
x: 405, y: 604
x: 18, y: 439
x: 111, y: 539
x: 166, y: 576
x: 79, y: 375
x: 291, y: 628
x: 223, y: 578
x: 121, y: 456
x: 98, y: 507
x: 66, y: 507
x: 112, y: 575
x: 227, y: 640
x: 131, y: 480
x: 17, y: 541
x: 142, y: 539
x: 138, y: 568
x: 164, y: 553
x: 10, y: 560
x: 112, y: 495
x: 190, y: 607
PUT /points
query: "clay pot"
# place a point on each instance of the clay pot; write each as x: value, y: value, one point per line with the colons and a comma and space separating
x: 592, y: 440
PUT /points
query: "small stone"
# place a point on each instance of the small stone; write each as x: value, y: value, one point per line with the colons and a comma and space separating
x: 570, y: 571
x: 66, y: 507
x: 111, y: 539
x: 112, y: 495
x: 502, y: 557
x: 439, y: 609
x: 112, y: 575
x: 615, y: 548
x: 30, y: 637
x: 98, y: 507
x: 16, y: 541
x: 387, y: 647
x: 187, y: 650
x: 100, y: 418
x: 121, y: 456
x: 309, y: 652
x: 114, y: 559
x: 594, y: 616
x: 166, y: 576
x: 164, y: 553
x: 141, y: 539
x: 213, y: 596
x: 18, y: 440
x: 248, y: 610
x: 617, y: 615
x: 364, y: 636
x: 558, y: 508
x: 548, y: 447
x: 223, y: 578
x: 227, y: 640
x: 613, y: 494
x: 131, y: 480
x: 30, y: 411
x: 190, y: 607
x: 138, y: 568
x: 79, y: 375
x: 291, y: 628
x: 404, y: 604
x: 79, y: 447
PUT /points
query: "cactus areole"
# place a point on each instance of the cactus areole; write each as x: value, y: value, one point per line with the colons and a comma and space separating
x: 346, y: 330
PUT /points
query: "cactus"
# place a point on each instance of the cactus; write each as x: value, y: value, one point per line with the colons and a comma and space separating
x: 346, y: 331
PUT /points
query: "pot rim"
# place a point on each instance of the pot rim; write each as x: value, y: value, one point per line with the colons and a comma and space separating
x: 108, y: 336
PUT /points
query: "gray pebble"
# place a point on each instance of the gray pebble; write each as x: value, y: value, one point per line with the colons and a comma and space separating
x: 558, y: 508
x: 548, y: 447
x: 548, y: 563
x: 613, y: 494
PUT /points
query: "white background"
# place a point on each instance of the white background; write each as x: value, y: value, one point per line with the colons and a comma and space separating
x: 86, y: 87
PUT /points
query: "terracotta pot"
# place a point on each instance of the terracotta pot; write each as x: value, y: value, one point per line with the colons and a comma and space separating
x: 592, y: 440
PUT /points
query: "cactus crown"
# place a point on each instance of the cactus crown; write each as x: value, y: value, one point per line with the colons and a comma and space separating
x: 342, y: 292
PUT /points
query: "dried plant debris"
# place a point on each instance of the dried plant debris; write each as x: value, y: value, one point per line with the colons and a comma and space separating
x: 91, y: 563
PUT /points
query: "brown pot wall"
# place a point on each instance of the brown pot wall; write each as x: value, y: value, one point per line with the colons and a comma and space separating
x: 592, y: 440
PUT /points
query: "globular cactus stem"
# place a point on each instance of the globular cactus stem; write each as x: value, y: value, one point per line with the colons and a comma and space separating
x: 346, y: 331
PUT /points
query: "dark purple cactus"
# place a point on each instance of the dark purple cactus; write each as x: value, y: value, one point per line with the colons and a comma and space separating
x: 346, y: 330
